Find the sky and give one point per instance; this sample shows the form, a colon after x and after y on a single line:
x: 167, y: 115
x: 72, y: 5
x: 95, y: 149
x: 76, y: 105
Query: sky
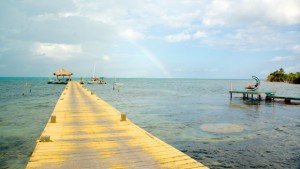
x: 211, y: 39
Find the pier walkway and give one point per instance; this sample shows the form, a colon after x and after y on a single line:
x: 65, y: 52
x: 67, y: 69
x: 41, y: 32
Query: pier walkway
x: 287, y: 99
x: 86, y: 132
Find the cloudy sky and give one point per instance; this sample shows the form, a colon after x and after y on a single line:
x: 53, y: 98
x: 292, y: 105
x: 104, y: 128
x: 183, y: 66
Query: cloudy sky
x: 150, y: 38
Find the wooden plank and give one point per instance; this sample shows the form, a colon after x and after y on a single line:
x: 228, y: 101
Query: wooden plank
x: 89, y: 133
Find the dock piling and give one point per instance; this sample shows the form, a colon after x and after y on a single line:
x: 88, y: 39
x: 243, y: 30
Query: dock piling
x: 287, y: 100
x: 53, y: 119
x: 123, y: 117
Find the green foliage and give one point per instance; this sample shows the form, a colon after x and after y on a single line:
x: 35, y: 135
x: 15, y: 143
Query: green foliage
x: 280, y: 76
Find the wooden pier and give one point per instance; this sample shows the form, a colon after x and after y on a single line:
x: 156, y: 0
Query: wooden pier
x: 86, y: 132
x: 287, y: 99
x: 269, y: 96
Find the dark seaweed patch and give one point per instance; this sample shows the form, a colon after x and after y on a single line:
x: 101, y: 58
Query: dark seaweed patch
x: 13, y: 150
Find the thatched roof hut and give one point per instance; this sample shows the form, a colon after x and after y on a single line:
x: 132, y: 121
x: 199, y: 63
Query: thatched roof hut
x: 59, y: 79
x: 63, y: 72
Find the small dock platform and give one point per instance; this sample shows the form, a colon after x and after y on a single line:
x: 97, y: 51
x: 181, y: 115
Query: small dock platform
x: 86, y: 132
x: 248, y: 93
x: 287, y: 99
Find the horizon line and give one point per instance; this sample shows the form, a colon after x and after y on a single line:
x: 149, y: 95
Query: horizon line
x: 77, y: 77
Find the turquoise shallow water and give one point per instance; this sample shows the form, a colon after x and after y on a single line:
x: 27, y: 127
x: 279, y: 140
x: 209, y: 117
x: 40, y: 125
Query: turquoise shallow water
x: 196, y: 116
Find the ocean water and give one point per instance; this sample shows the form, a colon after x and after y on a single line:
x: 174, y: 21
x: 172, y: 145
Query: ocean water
x: 196, y: 116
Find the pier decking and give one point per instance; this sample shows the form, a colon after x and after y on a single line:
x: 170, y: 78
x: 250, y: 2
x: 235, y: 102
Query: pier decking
x: 246, y: 93
x: 270, y: 96
x: 287, y: 99
x: 86, y: 132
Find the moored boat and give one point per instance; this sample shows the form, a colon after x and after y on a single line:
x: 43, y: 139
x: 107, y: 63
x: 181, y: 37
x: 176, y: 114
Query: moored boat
x: 96, y: 80
x: 81, y: 81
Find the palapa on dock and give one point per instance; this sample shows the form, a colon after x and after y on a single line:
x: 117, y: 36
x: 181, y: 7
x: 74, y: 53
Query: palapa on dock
x: 86, y: 132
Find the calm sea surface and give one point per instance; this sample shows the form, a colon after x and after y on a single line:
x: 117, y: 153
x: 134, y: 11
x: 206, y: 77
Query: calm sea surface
x: 196, y: 116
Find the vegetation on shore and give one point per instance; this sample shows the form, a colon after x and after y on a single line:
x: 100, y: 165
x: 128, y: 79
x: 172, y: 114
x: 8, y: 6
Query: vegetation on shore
x: 281, y: 76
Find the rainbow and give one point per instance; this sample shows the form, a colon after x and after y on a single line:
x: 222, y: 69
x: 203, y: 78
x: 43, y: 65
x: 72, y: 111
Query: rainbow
x: 154, y: 60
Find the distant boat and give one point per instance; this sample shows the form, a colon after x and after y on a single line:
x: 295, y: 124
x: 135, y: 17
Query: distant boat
x: 50, y: 81
x: 81, y: 81
x: 96, y: 80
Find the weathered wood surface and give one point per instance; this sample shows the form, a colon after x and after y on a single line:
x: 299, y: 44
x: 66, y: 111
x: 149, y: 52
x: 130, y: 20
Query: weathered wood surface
x: 89, y: 133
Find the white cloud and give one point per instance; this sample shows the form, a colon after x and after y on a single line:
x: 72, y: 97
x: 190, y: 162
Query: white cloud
x: 282, y: 58
x: 252, y: 12
x: 199, y: 34
x: 296, y: 48
x: 140, y: 17
x: 68, y: 14
x: 53, y: 16
x: 185, y: 36
x: 180, y: 19
x: 100, y: 17
x: 178, y: 37
x: 57, y: 51
x: 284, y: 12
x: 131, y: 34
x: 251, y: 39
x: 106, y: 58
x: 271, y: 26
x: 216, y: 13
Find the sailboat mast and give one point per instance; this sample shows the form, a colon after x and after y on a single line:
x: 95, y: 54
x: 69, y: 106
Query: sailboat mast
x: 94, y: 69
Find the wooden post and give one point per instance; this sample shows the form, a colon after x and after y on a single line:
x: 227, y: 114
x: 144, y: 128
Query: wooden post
x: 286, y: 100
x: 266, y: 97
x: 53, y: 119
x: 123, y: 117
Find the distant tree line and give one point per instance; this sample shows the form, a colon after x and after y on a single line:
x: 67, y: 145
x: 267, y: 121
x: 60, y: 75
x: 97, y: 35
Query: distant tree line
x: 281, y: 76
